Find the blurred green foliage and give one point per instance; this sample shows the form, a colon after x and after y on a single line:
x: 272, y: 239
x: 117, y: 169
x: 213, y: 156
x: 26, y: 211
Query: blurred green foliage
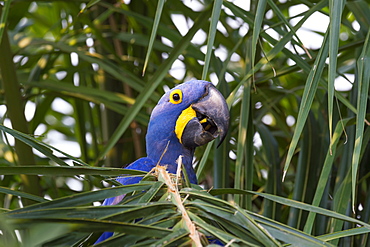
x: 79, y: 79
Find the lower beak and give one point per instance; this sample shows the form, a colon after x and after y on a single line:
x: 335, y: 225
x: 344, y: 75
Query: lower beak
x: 211, y: 120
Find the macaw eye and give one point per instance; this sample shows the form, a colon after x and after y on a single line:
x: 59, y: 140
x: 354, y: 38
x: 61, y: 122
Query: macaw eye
x: 176, y: 96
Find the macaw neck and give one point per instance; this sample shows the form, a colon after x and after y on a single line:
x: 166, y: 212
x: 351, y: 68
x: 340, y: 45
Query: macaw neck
x: 166, y: 151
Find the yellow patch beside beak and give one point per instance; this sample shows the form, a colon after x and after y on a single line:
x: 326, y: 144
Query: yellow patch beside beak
x: 185, y: 116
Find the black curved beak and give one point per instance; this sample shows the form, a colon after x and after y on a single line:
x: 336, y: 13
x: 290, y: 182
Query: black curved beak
x: 211, y: 121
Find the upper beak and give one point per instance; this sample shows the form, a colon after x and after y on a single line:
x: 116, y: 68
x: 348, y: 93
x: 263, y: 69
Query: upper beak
x: 211, y: 121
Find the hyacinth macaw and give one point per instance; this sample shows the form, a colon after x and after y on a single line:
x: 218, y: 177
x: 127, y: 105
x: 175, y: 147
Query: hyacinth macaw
x: 190, y: 115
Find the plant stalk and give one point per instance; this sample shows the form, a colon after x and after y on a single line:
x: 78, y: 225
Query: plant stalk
x: 15, y: 110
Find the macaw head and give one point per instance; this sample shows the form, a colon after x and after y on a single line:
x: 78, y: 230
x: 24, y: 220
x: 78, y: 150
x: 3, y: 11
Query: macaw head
x: 190, y: 115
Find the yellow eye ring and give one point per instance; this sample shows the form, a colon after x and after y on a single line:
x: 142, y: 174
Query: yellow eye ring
x: 176, y: 96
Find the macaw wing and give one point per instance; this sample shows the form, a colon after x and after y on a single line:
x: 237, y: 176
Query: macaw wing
x: 143, y: 164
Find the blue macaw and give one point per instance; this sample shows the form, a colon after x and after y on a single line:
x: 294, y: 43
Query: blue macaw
x: 190, y: 115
